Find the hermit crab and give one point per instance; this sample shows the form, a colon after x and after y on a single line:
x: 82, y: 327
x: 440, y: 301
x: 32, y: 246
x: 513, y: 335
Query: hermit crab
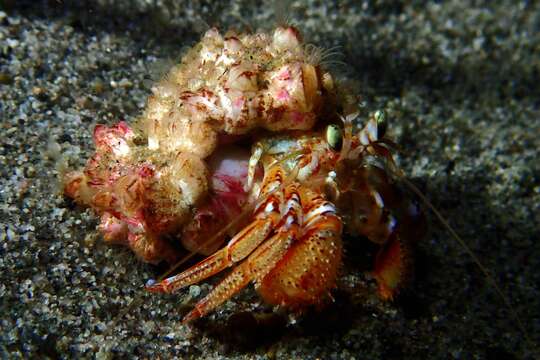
x: 314, y: 185
x: 243, y: 140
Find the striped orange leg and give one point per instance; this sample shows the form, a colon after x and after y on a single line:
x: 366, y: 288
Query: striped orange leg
x: 297, y: 266
x: 267, y: 215
x: 262, y: 260
x: 258, y: 263
x: 237, y: 249
x: 390, y: 219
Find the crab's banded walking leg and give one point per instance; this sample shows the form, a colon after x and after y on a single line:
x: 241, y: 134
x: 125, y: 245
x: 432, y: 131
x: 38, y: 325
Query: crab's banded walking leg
x: 238, y: 248
x: 259, y: 262
x: 378, y: 210
x: 297, y: 266
x: 267, y: 216
x: 262, y: 260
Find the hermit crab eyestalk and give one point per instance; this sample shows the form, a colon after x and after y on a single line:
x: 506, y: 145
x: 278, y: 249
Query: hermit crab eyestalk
x: 334, y: 137
x: 381, y: 119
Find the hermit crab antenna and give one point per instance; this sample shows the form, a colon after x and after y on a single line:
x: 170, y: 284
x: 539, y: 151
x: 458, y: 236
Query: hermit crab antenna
x: 475, y: 258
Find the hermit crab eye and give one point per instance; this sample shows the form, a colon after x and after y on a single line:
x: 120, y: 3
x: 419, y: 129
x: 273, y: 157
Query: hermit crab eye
x: 380, y: 118
x: 334, y: 137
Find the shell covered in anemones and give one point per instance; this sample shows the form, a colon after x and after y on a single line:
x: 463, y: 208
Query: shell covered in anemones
x: 151, y: 180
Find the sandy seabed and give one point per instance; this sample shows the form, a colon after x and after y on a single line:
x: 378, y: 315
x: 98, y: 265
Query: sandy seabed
x: 462, y: 82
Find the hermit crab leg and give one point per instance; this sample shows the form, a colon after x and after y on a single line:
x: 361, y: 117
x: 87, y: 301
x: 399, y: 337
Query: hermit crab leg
x: 237, y: 249
x: 267, y: 216
x: 311, y: 230
x: 262, y: 260
x: 255, y: 266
